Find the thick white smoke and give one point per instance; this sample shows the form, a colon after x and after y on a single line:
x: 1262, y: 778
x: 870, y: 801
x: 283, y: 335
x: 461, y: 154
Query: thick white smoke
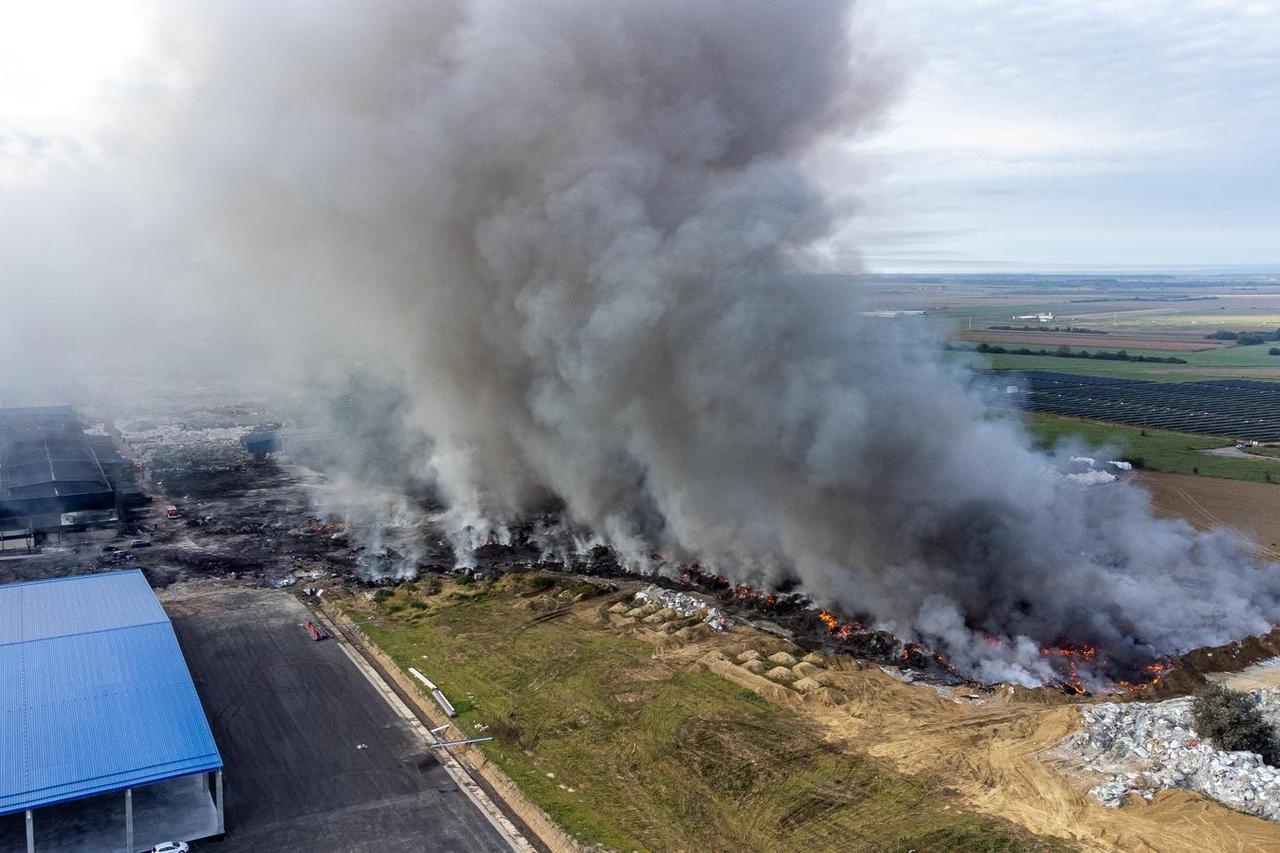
x: 568, y: 229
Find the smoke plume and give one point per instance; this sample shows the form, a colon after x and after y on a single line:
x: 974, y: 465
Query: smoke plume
x: 571, y: 231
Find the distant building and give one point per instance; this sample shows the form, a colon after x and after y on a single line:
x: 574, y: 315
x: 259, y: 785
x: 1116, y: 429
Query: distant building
x: 894, y: 313
x: 1046, y: 317
x: 49, y: 467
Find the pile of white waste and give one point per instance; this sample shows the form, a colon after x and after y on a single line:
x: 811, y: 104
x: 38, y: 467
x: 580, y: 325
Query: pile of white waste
x: 681, y: 602
x: 1144, y: 747
x: 684, y: 604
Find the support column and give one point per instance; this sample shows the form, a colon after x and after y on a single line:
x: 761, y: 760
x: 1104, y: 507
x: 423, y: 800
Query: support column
x: 128, y: 820
x: 31, y: 833
x: 222, y: 817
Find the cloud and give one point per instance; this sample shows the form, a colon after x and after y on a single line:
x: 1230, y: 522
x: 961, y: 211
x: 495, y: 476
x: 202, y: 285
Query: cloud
x: 1065, y: 104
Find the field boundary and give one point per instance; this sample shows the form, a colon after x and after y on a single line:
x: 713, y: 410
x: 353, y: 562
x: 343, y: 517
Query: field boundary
x: 546, y: 834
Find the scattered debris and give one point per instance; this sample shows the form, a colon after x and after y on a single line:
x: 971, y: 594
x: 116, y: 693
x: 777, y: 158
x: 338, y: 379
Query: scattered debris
x: 1145, y: 747
x: 681, y: 603
x: 719, y: 620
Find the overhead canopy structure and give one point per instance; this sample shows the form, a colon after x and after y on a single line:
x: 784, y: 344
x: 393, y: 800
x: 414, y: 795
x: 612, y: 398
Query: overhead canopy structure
x: 95, y: 695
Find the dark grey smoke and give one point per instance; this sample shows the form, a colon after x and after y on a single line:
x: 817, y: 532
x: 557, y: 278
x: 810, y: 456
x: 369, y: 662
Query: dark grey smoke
x: 568, y: 229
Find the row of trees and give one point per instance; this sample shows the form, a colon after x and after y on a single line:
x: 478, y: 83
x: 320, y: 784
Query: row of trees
x: 1074, y: 330
x: 1068, y: 352
x: 1246, y: 339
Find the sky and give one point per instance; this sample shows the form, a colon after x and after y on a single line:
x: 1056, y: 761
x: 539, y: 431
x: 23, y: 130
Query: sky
x: 1059, y: 135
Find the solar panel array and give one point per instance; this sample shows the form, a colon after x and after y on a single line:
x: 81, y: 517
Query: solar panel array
x: 1242, y: 409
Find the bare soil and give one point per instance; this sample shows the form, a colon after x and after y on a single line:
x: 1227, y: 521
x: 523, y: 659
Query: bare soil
x: 994, y: 754
x: 1252, y: 508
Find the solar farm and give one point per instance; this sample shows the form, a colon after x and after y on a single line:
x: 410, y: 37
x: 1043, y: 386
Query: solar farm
x: 1241, y: 409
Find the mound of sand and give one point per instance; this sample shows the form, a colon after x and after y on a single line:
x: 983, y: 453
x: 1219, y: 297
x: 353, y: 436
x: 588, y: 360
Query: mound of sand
x: 807, y: 670
x: 815, y: 659
x: 749, y: 654
x: 780, y: 673
x: 782, y: 659
x: 807, y: 685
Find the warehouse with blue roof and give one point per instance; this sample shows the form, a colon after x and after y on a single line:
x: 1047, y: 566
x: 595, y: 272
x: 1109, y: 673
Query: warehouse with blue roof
x: 104, y: 744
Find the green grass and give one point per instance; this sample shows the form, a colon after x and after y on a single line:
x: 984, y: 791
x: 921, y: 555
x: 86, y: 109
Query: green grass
x: 1209, y: 322
x: 659, y: 758
x: 1174, y: 452
x: 1251, y: 362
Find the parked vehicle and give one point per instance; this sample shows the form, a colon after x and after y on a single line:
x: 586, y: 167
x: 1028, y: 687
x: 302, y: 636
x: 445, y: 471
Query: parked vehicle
x: 171, y: 847
x: 140, y: 543
x: 171, y: 511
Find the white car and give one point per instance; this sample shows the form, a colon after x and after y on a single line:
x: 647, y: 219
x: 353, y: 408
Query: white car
x: 171, y: 847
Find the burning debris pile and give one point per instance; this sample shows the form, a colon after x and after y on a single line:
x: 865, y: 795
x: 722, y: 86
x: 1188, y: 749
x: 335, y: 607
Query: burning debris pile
x: 1145, y: 747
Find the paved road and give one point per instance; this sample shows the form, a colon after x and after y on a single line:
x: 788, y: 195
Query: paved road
x: 315, y: 758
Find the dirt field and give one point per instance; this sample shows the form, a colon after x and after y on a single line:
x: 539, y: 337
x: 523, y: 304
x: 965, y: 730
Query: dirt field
x: 618, y: 730
x: 994, y: 755
x: 993, y: 751
x: 1108, y: 342
x: 1207, y: 501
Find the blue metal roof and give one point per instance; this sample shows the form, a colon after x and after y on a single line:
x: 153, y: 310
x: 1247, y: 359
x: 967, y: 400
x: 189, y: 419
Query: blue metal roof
x: 94, y: 693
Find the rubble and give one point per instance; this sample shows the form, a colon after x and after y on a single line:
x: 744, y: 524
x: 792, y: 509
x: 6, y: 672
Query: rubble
x: 669, y: 604
x: 1142, y: 748
x: 681, y: 603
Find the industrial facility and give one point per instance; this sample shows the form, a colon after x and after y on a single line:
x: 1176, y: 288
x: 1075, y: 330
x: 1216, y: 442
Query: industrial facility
x: 104, y: 744
x: 54, y: 476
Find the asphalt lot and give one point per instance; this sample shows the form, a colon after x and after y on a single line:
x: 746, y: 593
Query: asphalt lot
x: 314, y: 757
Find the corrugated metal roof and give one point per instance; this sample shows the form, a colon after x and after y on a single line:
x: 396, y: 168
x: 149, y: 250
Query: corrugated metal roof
x: 95, y: 695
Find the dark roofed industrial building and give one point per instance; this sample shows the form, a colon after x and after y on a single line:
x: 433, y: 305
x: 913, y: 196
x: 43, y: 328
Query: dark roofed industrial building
x: 50, y: 467
x: 104, y: 744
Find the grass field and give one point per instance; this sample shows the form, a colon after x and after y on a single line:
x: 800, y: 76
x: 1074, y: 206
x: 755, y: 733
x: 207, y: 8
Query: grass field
x: 1210, y: 322
x: 1246, y: 362
x: 632, y: 754
x: 1174, y: 452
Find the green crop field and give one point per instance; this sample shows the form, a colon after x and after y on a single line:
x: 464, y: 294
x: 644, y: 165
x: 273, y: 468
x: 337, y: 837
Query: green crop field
x: 1174, y: 452
x: 632, y: 754
x: 1251, y: 362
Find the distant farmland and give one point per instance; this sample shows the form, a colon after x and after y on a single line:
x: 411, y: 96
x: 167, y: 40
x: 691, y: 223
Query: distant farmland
x: 1108, y: 341
x: 1232, y: 408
